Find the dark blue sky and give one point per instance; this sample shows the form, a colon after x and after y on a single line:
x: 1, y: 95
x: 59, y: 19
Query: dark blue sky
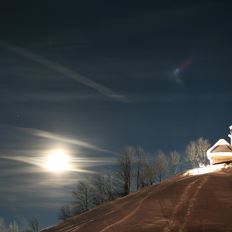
x: 109, y: 74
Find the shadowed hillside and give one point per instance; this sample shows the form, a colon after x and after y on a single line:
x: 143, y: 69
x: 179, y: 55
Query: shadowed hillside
x: 182, y: 203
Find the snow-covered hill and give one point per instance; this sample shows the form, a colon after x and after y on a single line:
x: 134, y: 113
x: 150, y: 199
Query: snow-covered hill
x: 198, y: 200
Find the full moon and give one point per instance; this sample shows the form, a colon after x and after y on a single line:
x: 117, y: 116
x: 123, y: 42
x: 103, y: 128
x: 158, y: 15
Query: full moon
x: 57, y: 161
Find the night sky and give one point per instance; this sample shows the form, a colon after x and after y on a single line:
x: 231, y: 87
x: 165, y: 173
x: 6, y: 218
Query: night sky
x: 94, y: 76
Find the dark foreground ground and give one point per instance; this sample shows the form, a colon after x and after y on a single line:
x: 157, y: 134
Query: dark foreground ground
x: 182, y: 203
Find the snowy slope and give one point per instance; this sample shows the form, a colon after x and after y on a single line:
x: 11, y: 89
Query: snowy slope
x: 188, y: 202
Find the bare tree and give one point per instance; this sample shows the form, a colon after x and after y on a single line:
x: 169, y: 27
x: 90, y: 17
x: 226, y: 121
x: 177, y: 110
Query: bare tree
x: 149, y: 174
x: 196, y: 152
x: 161, y: 165
x: 88, y: 194
x: 125, y: 163
x: 34, y: 224
x: 83, y: 197
x: 140, y: 167
x: 104, y: 189
x: 13, y: 227
x: 174, y: 161
x: 3, y: 227
x: 65, y: 212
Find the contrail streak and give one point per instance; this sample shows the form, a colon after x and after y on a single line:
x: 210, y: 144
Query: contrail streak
x: 49, y: 135
x: 65, y: 71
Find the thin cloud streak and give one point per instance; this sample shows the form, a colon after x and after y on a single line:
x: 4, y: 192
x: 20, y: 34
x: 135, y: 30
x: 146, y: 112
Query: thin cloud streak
x: 53, y: 136
x: 25, y: 159
x: 39, y: 163
x: 65, y: 71
x: 17, y: 171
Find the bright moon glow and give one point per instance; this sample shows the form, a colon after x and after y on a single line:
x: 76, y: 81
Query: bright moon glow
x: 57, y: 161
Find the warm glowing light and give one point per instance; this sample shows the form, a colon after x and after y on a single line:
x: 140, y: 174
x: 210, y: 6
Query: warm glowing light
x: 58, y: 161
x: 206, y: 169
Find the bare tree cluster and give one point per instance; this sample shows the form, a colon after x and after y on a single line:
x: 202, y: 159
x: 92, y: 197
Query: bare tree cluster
x: 135, y: 169
x: 138, y: 169
x: 65, y: 212
x: 88, y: 194
x: 104, y: 188
x: 33, y: 226
x: 82, y: 196
x: 196, y: 152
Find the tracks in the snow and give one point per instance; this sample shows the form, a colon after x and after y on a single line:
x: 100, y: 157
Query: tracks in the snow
x: 186, y: 204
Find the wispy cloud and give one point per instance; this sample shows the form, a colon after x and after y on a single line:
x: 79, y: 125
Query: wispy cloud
x: 39, y: 166
x: 21, y: 161
x: 53, y: 136
x: 65, y: 71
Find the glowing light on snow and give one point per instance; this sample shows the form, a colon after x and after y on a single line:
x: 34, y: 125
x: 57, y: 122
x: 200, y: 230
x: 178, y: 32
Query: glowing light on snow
x: 206, y: 169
